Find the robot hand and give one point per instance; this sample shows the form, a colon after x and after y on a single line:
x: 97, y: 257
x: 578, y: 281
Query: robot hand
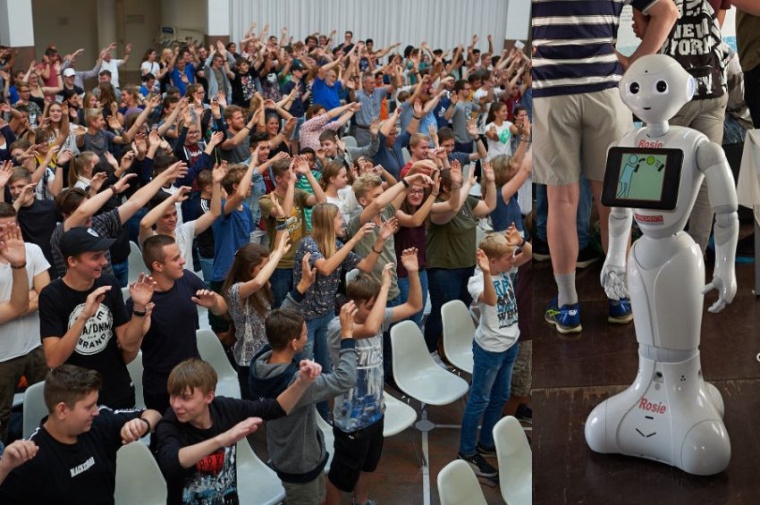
x: 613, y: 282
x: 726, y: 291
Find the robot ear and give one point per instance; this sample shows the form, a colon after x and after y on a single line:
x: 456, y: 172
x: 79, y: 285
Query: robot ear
x: 691, y: 86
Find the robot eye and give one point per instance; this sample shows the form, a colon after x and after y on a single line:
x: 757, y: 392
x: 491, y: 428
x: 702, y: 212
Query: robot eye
x: 634, y: 87
x: 661, y: 86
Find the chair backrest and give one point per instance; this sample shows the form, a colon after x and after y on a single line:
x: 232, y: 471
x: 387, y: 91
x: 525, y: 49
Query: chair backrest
x: 34, y: 408
x: 458, y: 332
x: 211, y: 350
x: 138, y: 477
x: 416, y: 373
x: 135, y: 369
x: 257, y: 483
x: 349, y: 141
x: 515, y: 462
x: 457, y: 485
x: 135, y: 262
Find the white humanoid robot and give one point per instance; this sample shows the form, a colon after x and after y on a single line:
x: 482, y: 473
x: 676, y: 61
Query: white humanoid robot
x: 669, y: 413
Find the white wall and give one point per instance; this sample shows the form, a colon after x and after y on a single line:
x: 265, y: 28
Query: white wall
x: 441, y: 23
x: 188, y: 17
x: 55, y: 22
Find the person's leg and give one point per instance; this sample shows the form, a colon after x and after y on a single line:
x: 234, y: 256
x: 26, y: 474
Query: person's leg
x: 243, y: 373
x: 281, y: 283
x: 121, y: 272
x: 499, y: 395
x: 442, y: 290
x: 709, y: 120
x: 375, y: 441
x: 562, y: 235
x: 486, y: 367
x: 10, y: 373
x: 207, y: 266
x: 387, y: 346
x: 322, y: 355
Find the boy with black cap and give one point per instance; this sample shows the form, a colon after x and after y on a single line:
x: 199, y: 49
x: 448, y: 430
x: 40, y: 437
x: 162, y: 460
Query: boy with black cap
x: 83, y: 320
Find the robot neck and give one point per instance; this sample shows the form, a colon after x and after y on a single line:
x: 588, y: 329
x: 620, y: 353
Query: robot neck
x: 657, y: 129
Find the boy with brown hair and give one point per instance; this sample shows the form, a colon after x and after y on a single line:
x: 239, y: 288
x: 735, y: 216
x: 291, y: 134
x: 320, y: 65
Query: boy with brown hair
x: 495, y: 347
x: 197, y: 437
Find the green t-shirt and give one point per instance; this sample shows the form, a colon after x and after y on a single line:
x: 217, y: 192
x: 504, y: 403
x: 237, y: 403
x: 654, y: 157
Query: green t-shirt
x: 364, y: 247
x: 452, y: 245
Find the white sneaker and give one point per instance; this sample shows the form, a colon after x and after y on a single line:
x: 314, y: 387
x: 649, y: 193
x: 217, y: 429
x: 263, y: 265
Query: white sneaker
x: 438, y: 360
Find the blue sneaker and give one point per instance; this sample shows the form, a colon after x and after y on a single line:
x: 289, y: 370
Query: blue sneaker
x: 619, y: 311
x: 566, y: 319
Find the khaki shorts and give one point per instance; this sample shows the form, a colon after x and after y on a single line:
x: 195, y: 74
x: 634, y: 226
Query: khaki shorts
x: 306, y: 493
x: 571, y: 134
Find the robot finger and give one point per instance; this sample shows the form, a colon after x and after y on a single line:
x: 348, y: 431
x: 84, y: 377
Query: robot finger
x: 708, y: 288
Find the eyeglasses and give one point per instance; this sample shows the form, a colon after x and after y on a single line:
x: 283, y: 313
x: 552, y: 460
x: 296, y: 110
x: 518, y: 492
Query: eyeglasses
x: 416, y: 191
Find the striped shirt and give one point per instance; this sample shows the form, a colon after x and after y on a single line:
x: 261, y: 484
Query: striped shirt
x: 574, y: 44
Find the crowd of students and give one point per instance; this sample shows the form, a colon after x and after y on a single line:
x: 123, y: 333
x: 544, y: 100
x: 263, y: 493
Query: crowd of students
x: 234, y: 161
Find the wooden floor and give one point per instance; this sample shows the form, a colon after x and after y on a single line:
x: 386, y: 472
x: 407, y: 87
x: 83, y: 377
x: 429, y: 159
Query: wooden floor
x: 572, y: 375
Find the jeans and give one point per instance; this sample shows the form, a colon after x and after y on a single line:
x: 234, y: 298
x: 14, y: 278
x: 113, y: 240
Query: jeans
x: 446, y: 284
x: 491, y: 381
x: 121, y: 272
x: 281, y: 282
x: 207, y: 265
x: 582, y: 220
x: 316, y: 348
x: 403, y: 286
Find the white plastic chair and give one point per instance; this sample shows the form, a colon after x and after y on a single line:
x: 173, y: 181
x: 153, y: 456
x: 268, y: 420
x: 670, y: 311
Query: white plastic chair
x: 515, y: 462
x: 34, y: 408
x: 457, y: 485
x: 349, y: 141
x: 135, y: 369
x: 327, y: 434
x: 135, y: 262
x: 416, y: 373
x: 211, y: 350
x: 138, y: 477
x: 458, y: 332
x: 257, y: 483
x: 398, y: 416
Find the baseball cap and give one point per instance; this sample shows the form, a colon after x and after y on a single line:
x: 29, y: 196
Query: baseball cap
x: 69, y: 72
x: 80, y: 239
x: 297, y: 65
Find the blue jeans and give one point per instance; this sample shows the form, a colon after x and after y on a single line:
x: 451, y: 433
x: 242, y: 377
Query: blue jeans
x: 316, y: 348
x: 445, y: 284
x: 207, y: 265
x: 582, y: 220
x: 121, y: 272
x: 281, y: 282
x: 403, y: 285
x: 491, y: 381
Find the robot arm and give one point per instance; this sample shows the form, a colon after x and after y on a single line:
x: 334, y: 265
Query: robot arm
x: 712, y: 162
x: 613, y: 271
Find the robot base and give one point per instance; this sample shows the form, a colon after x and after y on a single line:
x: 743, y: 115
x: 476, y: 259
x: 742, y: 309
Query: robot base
x: 666, y: 415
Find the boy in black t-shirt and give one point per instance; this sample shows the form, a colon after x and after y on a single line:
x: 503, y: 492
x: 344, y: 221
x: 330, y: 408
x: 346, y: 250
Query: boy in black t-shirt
x: 83, y: 321
x: 197, y: 437
x: 71, y: 457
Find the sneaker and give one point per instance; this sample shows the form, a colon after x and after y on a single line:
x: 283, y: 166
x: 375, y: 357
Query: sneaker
x: 486, y: 451
x: 540, y: 249
x: 524, y: 413
x: 480, y: 466
x: 619, y: 311
x: 586, y: 257
x: 566, y: 319
x: 438, y: 360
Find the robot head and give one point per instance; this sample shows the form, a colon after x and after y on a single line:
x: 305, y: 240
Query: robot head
x: 655, y: 87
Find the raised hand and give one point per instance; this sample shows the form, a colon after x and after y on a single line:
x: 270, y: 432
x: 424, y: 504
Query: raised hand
x: 183, y: 193
x: 239, y: 431
x: 219, y: 171
x: 12, y: 245
x: 96, y: 183
x: 133, y: 431
x: 141, y: 290
x: 482, y: 260
x: 6, y: 171
x: 309, y: 274
x: 204, y: 298
x: 513, y: 235
x: 364, y: 231
x: 409, y: 260
x: 16, y: 454
x: 94, y: 300
x: 122, y: 184
x: 308, y: 371
x: 283, y: 243
x: 347, y: 313
x: 389, y: 228
x: 388, y: 273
